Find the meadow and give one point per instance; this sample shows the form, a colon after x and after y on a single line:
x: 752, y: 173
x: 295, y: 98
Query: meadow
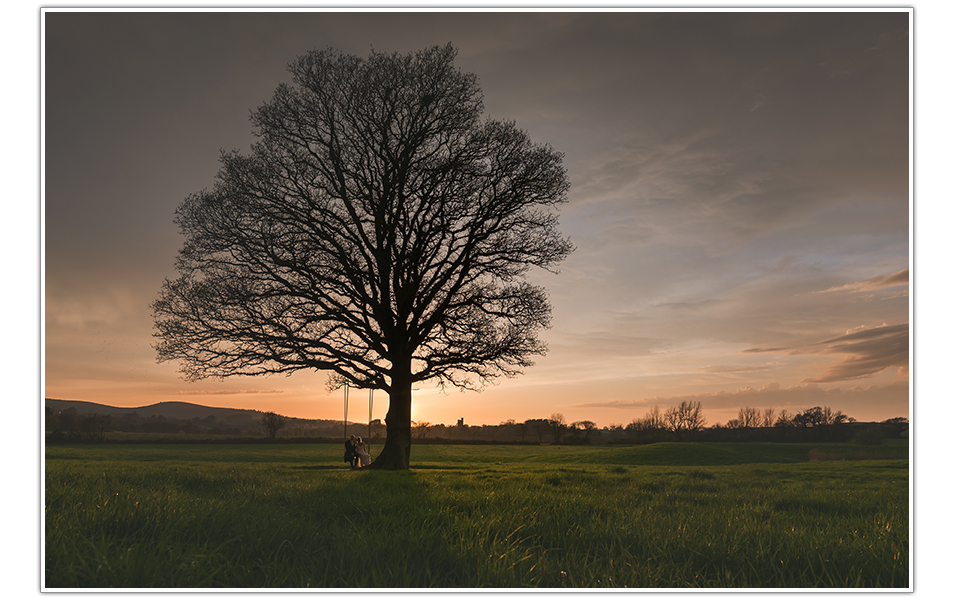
x: 690, y: 515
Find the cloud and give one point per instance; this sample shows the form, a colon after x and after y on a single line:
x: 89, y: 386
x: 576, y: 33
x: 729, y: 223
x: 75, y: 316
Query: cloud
x: 789, y: 265
x: 757, y: 350
x: 606, y: 344
x: 858, y: 334
x: 756, y: 104
x: 871, y: 351
x: 729, y: 369
x: 877, y: 282
x: 697, y: 305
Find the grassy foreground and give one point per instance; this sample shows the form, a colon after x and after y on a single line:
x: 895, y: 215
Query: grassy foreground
x: 666, y: 515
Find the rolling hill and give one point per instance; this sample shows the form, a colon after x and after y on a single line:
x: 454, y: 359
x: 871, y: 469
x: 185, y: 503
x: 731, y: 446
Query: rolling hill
x: 178, y: 410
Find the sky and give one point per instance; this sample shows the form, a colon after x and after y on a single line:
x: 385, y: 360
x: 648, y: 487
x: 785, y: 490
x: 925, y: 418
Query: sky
x: 740, y: 201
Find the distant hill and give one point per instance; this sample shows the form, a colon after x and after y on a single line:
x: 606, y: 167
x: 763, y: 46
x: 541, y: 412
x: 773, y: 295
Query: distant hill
x: 174, y: 410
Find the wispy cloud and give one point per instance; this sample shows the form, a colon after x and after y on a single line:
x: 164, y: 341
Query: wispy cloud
x: 869, y: 285
x: 870, y: 352
x: 607, y: 344
x: 758, y: 350
x: 697, y: 305
x: 789, y: 265
x: 743, y: 369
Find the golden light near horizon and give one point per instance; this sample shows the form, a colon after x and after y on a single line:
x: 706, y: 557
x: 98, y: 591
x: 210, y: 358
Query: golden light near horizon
x: 741, y: 240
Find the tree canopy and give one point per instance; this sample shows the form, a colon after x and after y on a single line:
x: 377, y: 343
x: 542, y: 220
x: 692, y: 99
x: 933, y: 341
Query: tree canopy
x: 380, y: 230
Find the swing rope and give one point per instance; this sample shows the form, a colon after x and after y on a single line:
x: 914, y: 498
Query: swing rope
x: 370, y: 411
x: 346, y: 411
x: 370, y: 414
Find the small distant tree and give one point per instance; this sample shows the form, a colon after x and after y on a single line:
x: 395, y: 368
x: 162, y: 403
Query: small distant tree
x: 69, y: 422
x: 378, y: 429
x: 558, y: 426
x: 749, y: 417
x: 894, y: 427
x: 522, y: 430
x: 505, y: 430
x: 812, y: 417
x: 94, y: 427
x: 634, y: 428
x: 768, y: 417
x: 819, y: 422
x: 584, y: 429
x: 869, y: 437
x: 539, y: 427
x: 649, y: 429
x: 272, y: 423
x: 784, y: 419
x: 52, y: 422
x: 421, y: 428
x: 685, y: 420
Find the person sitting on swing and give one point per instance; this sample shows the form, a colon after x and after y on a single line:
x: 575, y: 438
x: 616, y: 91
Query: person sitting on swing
x: 351, y: 455
x: 363, y: 457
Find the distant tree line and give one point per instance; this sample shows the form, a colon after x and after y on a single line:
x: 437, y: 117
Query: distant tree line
x: 71, y: 426
x: 816, y: 424
x: 684, y: 422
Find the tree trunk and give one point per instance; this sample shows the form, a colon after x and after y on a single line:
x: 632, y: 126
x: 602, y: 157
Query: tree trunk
x: 396, y: 454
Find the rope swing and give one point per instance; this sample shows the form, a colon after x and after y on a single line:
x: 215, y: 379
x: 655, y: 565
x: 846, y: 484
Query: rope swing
x: 346, y: 411
x: 370, y: 413
x: 370, y: 405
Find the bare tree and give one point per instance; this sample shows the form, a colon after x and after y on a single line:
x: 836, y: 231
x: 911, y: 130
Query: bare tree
x: 749, y: 417
x: 654, y: 418
x: 685, y: 420
x: 94, y: 427
x: 648, y: 428
x: 635, y: 427
x: 421, y: 428
x: 272, y: 423
x: 784, y: 419
x: 380, y: 230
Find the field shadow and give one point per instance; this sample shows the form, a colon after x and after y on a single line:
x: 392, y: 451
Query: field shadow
x: 439, y: 468
x: 343, y: 469
x: 318, y: 468
x: 411, y: 520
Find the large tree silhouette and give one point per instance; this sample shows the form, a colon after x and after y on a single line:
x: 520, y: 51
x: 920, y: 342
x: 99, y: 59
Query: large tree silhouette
x: 380, y: 229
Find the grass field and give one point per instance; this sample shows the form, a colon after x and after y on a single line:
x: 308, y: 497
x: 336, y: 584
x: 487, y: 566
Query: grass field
x: 664, y: 515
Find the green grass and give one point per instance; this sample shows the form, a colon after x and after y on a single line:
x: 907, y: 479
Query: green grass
x: 666, y: 515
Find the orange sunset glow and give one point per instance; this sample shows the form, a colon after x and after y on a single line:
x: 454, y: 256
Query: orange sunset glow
x: 740, y: 203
